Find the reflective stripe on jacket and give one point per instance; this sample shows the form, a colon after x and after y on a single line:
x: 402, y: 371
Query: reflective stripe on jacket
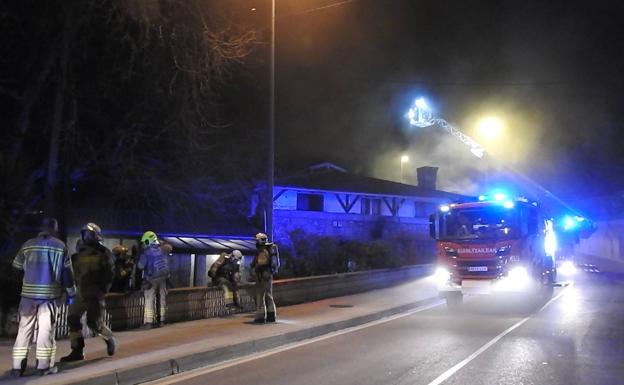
x: 47, y: 268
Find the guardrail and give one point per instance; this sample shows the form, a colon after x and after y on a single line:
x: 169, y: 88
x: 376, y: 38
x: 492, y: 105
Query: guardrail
x: 125, y: 311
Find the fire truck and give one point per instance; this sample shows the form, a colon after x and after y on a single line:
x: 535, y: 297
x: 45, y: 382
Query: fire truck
x: 493, y: 245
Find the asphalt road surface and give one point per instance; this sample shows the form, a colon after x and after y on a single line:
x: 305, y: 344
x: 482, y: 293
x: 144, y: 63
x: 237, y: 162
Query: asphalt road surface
x: 577, y: 337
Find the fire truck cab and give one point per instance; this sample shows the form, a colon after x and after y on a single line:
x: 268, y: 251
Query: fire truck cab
x: 493, y: 245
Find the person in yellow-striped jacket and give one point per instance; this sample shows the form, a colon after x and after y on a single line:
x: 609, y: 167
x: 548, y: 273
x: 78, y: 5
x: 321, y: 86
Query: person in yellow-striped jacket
x: 47, y: 270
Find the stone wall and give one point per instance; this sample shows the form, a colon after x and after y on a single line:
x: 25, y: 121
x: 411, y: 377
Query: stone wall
x: 606, y: 242
x: 125, y: 311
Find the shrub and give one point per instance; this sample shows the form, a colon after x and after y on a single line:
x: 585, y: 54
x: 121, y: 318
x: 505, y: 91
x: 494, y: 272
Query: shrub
x: 318, y: 255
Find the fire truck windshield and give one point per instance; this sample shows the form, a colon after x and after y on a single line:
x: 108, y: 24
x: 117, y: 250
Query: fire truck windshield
x: 479, y: 223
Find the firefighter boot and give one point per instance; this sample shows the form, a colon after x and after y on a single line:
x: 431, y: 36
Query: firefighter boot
x: 111, y: 346
x: 50, y: 370
x: 19, y: 372
x: 77, y: 351
x: 270, y: 316
x: 76, y: 354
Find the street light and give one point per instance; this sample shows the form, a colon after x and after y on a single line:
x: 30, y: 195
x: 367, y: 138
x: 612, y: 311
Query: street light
x: 271, y: 160
x: 490, y: 128
x: 404, y: 159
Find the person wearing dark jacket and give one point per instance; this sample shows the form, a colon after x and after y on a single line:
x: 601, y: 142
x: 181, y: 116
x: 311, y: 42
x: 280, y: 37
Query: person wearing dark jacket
x: 47, y: 271
x: 265, y: 264
x: 94, y: 272
x: 225, y: 274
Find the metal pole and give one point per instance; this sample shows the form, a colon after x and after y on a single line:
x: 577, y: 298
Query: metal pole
x: 271, y: 165
x: 401, y: 170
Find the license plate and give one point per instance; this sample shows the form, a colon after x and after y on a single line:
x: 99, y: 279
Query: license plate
x: 477, y: 268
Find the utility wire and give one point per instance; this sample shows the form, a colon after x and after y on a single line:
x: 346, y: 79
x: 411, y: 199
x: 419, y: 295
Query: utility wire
x: 322, y: 7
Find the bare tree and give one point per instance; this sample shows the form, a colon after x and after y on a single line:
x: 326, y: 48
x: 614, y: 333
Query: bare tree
x: 118, y: 104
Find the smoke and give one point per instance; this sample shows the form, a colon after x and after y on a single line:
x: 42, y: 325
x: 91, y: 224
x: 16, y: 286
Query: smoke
x: 459, y: 170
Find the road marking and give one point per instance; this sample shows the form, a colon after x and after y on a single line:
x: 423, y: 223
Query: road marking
x: 445, y: 376
x: 255, y: 356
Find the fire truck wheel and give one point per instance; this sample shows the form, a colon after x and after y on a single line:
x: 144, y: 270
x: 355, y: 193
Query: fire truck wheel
x: 454, y: 300
x: 547, y: 289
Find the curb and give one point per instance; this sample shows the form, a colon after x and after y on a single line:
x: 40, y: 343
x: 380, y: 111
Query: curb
x: 158, y: 370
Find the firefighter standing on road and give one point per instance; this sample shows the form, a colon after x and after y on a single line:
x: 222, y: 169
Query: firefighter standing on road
x: 47, y: 269
x: 155, y: 266
x: 264, y: 265
x: 94, y: 271
x: 225, y: 274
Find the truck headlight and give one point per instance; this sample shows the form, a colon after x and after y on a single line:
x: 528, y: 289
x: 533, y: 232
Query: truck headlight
x: 441, y: 276
x: 567, y: 268
x: 518, y: 276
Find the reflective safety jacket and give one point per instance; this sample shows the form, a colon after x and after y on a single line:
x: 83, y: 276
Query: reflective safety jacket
x: 154, y: 262
x: 47, y: 268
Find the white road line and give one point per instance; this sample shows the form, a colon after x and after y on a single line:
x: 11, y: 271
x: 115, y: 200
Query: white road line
x: 445, y: 376
x: 237, y: 361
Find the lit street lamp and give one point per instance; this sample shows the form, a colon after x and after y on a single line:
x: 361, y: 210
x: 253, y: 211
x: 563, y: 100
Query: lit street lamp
x: 271, y: 158
x: 404, y: 159
x: 490, y: 128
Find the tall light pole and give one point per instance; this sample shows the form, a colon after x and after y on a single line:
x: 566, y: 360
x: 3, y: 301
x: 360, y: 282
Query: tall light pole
x: 404, y: 159
x: 271, y: 165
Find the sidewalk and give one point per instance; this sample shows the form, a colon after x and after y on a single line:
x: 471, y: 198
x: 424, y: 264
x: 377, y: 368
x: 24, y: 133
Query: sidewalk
x: 150, y: 354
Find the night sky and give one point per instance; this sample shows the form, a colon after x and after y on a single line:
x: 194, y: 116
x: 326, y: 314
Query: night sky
x: 347, y: 74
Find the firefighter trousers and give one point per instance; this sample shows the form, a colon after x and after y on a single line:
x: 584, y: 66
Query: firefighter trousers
x: 230, y: 290
x: 40, y: 314
x: 264, y: 295
x: 95, y: 308
x: 155, y: 298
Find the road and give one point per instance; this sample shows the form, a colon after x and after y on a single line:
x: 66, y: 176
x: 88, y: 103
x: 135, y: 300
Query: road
x: 576, y: 338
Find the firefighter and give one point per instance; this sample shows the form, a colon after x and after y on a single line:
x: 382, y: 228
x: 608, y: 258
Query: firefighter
x: 94, y: 272
x: 124, y: 270
x: 264, y: 265
x: 47, y: 270
x: 225, y: 274
x: 155, y: 266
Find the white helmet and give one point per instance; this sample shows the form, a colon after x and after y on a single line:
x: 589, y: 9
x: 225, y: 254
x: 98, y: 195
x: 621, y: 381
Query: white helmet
x: 261, y: 238
x: 237, y: 254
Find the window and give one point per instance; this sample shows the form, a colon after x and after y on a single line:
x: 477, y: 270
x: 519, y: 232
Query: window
x: 371, y: 206
x: 309, y: 202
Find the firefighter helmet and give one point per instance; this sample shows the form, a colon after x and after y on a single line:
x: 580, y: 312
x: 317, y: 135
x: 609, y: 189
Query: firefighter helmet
x: 120, y: 249
x: 261, y: 238
x: 91, y: 232
x: 149, y: 238
x: 237, y: 254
